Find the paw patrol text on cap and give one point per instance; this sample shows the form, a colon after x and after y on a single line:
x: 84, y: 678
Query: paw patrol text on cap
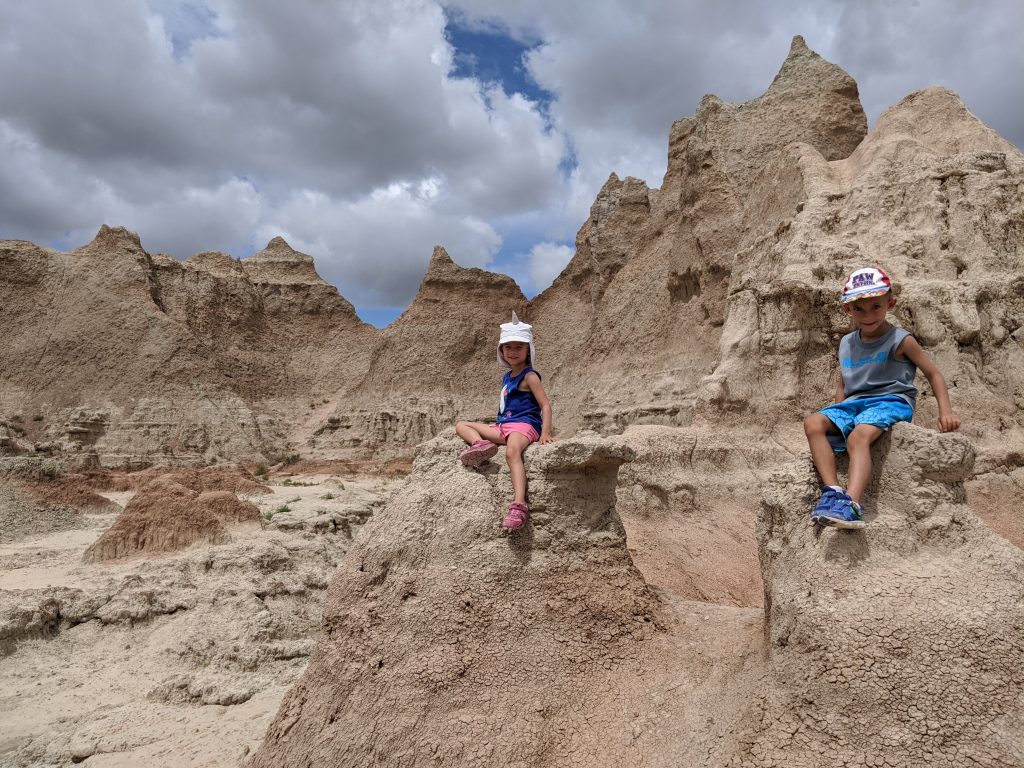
x: 865, y: 283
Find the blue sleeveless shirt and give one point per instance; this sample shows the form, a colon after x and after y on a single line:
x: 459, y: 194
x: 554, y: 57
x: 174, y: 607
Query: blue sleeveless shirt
x: 518, y: 406
x: 871, y: 368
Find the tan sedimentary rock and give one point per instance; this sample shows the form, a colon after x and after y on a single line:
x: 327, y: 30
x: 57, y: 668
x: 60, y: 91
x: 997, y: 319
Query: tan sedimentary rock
x: 710, y: 297
x: 139, y: 359
x: 662, y: 260
x: 38, y: 497
x: 624, y: 625
x: 901, y: 643
x: 711, y: 304
x: 481, y: 640
x: 165, y: 516
x: 202, y: 479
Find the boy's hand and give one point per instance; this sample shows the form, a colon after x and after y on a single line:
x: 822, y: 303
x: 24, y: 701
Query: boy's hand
x: 545, y: 439
x: 948, y: 422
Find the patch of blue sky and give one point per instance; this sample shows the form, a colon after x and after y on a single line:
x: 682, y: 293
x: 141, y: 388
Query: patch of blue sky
x: 490, y: 55
x: 185, y: 21
x: 379, y: 317
x: 568, y: 163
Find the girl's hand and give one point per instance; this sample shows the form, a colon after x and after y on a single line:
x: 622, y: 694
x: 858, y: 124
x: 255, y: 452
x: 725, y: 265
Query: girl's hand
x: 948, y: 422
x: 545, y: 439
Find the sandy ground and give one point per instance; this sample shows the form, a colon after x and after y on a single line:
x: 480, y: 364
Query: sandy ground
x: 187, y: 656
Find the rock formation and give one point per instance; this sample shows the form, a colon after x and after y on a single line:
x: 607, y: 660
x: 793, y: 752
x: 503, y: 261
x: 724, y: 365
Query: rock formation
x: 502, y: 650
x: 174, y: 659
x: 429, y: 366
x: 165, y: 516
x: 714, y: 292
x: 38, y: 497
x: 643, y: 617
x: 146, y: 359
x: 738, y: 258
x: 900, y: 645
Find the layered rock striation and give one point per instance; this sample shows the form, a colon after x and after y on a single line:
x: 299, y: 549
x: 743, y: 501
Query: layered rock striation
x: 144, y: 359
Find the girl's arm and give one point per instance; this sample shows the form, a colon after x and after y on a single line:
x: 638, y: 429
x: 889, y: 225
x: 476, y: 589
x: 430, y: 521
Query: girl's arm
x: 532, y: 382
x: 910, y: 349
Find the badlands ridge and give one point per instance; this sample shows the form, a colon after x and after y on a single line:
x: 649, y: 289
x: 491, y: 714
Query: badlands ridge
x: 667, y: 605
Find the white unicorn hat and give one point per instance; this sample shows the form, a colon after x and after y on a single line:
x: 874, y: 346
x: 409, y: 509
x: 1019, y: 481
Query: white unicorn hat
x: 516, y: 331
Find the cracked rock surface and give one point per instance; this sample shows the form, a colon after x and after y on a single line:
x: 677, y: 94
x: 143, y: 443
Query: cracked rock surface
x: 899, y: 645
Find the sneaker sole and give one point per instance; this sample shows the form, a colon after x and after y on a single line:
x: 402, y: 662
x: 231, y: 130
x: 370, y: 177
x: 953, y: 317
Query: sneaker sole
x: 477, y: 458
x: 831, y: 522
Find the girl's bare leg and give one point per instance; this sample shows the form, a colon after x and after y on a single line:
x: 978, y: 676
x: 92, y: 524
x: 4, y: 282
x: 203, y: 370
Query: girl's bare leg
x: 858, y: 444
x: 816, y: 426
x: 471, y: 431
x: 517, y: 444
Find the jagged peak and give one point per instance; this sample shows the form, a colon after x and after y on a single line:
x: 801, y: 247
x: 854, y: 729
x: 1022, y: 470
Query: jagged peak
x: 114, y: 238
x: 444, y: 273
x: 804, y: 70
x: 615, y: 187
x: 440, y: 259
x: 278, y: 249
x: 280, y: 263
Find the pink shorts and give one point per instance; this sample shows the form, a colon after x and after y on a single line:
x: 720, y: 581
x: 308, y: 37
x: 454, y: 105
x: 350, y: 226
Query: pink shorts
x: 521, y: 427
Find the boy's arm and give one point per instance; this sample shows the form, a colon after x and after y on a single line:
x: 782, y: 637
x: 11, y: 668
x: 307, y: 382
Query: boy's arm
x: 532, y: 382
x: 909, y: 348
x: 840, y: 389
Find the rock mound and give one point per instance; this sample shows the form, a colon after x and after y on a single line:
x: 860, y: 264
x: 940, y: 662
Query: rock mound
x: 165, y: 516
x: 280, y: 263
x: 502, y: 650
x: 899, y: 644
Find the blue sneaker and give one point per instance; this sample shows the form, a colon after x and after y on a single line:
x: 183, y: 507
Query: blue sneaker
x: 829, y: 497
x: 845, y: 513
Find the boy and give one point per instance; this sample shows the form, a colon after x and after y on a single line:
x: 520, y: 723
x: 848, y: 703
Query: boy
x: 876, y: 390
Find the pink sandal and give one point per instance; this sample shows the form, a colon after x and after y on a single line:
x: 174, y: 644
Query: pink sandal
x: 478, y: 453
x: 517, y: 515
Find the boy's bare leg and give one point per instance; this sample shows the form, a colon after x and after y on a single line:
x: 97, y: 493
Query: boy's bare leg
x: 517, y: 444
x: 471, y: 431
x: 816, y: 427
x: 858, y: 445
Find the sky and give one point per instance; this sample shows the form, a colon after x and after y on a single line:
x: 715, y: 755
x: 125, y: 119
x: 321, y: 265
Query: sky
x: 366, y: 132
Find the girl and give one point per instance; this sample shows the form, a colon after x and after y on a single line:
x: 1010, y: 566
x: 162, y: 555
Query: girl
x: 524, y: 416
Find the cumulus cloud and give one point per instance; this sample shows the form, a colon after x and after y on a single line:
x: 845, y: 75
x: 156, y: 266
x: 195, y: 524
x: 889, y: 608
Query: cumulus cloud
x: 211, y: 125
x: 621, y: 73
x: 546, y: 261
x: 350, y: 129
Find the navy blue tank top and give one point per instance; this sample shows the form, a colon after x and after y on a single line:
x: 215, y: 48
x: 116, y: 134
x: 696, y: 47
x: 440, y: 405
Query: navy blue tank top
x: 518, y: 406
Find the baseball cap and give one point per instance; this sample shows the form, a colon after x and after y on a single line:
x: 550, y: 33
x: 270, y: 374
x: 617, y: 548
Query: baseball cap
x: 865, y: 283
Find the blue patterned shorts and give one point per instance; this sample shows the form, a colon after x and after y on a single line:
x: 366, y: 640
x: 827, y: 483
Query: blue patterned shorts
x: 882, y: 412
